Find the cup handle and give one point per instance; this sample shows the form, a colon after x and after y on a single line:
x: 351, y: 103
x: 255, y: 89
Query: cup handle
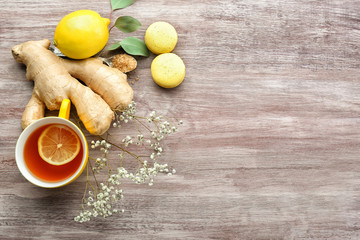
x: 65, y: 109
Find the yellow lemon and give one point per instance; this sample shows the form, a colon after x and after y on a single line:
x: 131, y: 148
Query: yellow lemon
x: 168, y: 70
x: 161, y: 37
x: 81, y: 34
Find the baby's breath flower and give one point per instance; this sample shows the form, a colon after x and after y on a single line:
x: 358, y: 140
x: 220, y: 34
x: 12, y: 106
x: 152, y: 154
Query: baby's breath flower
x: 83, y: 216
x: 102, y: 199
x: 140, y: 137
x: 153, y: 134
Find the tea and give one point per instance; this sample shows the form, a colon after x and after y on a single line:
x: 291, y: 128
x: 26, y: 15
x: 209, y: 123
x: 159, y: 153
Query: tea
x: 43, y: 170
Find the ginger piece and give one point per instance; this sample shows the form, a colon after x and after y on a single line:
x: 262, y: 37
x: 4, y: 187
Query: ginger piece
x: 35, y: 109
x: 53, y: 82
x: 125, y: 63
x: 109, y: 83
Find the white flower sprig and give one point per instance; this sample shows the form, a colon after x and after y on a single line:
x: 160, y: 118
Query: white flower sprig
x: 102, y: 198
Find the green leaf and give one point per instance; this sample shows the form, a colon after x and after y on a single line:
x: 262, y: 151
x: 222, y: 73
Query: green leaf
x: 127, y: 24
x: 134, y: 46
x: 115, y: 46
x: 118, y: 4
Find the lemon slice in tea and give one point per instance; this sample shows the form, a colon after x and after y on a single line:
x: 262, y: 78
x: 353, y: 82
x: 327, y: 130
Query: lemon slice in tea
x: 58, y: 145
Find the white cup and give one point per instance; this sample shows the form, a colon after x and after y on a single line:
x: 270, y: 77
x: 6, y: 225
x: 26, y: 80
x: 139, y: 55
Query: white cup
x: 20, y: 145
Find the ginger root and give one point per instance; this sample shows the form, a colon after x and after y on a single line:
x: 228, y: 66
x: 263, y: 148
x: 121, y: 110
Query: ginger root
x: 55, y: 79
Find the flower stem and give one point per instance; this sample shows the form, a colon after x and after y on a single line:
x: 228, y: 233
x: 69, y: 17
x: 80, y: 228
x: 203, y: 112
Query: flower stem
x: 143, y: 124
x: 123, y: 149
x: 97, y: 184
x: 86, y: 186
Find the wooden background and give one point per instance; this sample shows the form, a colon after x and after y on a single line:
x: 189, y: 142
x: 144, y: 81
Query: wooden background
x: 269, y: 148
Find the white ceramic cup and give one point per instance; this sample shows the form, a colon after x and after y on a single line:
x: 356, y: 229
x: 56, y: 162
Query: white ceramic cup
x: 20, y: 145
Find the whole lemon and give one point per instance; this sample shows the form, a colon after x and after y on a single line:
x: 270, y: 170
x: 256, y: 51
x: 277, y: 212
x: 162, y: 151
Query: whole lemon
x: 168, y: 70
x: 81, y: 34
x: 161, y: 37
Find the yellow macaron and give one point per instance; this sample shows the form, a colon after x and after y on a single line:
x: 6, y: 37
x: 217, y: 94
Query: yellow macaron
x: 168, y: 70
x: 161, y: 37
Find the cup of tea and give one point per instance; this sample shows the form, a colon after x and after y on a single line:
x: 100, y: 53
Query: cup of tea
x: 40, y: 172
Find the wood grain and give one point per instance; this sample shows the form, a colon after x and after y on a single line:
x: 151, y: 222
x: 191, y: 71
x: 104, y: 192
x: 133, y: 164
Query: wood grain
x: 270, y: 144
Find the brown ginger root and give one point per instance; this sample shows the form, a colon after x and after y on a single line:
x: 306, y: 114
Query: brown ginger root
x: 109, y: 83
x: 54, y: 81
